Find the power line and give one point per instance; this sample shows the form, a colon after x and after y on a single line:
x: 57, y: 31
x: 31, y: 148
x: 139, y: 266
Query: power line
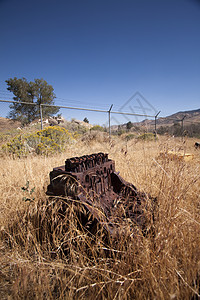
x: 79, y: 102
x: 79, y: 108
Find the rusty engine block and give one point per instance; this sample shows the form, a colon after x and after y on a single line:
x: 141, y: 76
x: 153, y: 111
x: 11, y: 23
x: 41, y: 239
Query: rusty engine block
x: 93, y: 182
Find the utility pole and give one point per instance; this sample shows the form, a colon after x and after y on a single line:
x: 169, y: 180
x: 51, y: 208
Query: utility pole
x: 109, y: 122
x: 156, y: 124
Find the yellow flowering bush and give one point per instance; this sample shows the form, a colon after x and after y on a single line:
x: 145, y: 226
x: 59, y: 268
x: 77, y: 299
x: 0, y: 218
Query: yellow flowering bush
x: 47, y: 141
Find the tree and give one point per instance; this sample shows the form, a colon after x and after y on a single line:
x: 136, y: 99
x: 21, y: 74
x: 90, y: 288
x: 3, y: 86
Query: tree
x: 129, y: 125
x: 86, y: 120
x: 37, y: 92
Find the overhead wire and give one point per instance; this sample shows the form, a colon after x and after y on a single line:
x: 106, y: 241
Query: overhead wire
x: 103, y: 106
x: 79, y: 102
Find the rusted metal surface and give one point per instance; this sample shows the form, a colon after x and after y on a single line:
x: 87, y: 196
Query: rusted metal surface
x: 93, y: 182
x: 197, y: 145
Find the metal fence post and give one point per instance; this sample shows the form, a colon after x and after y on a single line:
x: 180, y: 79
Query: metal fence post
x: 156, y: 124
x: 182, y: 132
x: 109, y: 122
x: 41, y: 116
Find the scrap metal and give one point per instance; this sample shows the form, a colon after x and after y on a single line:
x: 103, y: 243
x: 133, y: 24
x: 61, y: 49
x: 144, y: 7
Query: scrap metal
x: 93, y: 182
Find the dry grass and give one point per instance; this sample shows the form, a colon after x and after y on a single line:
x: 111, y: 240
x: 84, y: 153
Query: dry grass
x: 164, y: 266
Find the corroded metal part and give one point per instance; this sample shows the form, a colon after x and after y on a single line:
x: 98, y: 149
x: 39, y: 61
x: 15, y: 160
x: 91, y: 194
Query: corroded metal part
x: 93, y: 181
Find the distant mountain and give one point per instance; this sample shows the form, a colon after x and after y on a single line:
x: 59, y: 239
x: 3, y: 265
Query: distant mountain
x: 190, y: 117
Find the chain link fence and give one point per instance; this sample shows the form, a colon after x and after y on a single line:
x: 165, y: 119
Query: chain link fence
x: 112, y: 121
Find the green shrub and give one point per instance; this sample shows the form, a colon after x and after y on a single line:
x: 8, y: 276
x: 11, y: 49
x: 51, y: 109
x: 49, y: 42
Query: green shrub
x: 97, y: 128
x: 146, y: 136
x: 74, y: 127
x: 129, y: 137
x: 95, y: 136
x: 47, y: 141
x: 120, y: 132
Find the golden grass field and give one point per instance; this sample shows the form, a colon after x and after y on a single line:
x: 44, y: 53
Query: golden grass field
x: 165, y: 265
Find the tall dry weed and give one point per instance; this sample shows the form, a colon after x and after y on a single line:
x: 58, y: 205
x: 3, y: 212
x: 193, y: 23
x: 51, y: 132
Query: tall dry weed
x: 46, y: 254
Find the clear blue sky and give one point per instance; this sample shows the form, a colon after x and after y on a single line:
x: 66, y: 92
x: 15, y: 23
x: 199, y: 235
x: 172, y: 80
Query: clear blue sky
x: 98, y: 53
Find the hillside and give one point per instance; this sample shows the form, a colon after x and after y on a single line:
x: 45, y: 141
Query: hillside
x: 191, y: 117
x: 8, y: 124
